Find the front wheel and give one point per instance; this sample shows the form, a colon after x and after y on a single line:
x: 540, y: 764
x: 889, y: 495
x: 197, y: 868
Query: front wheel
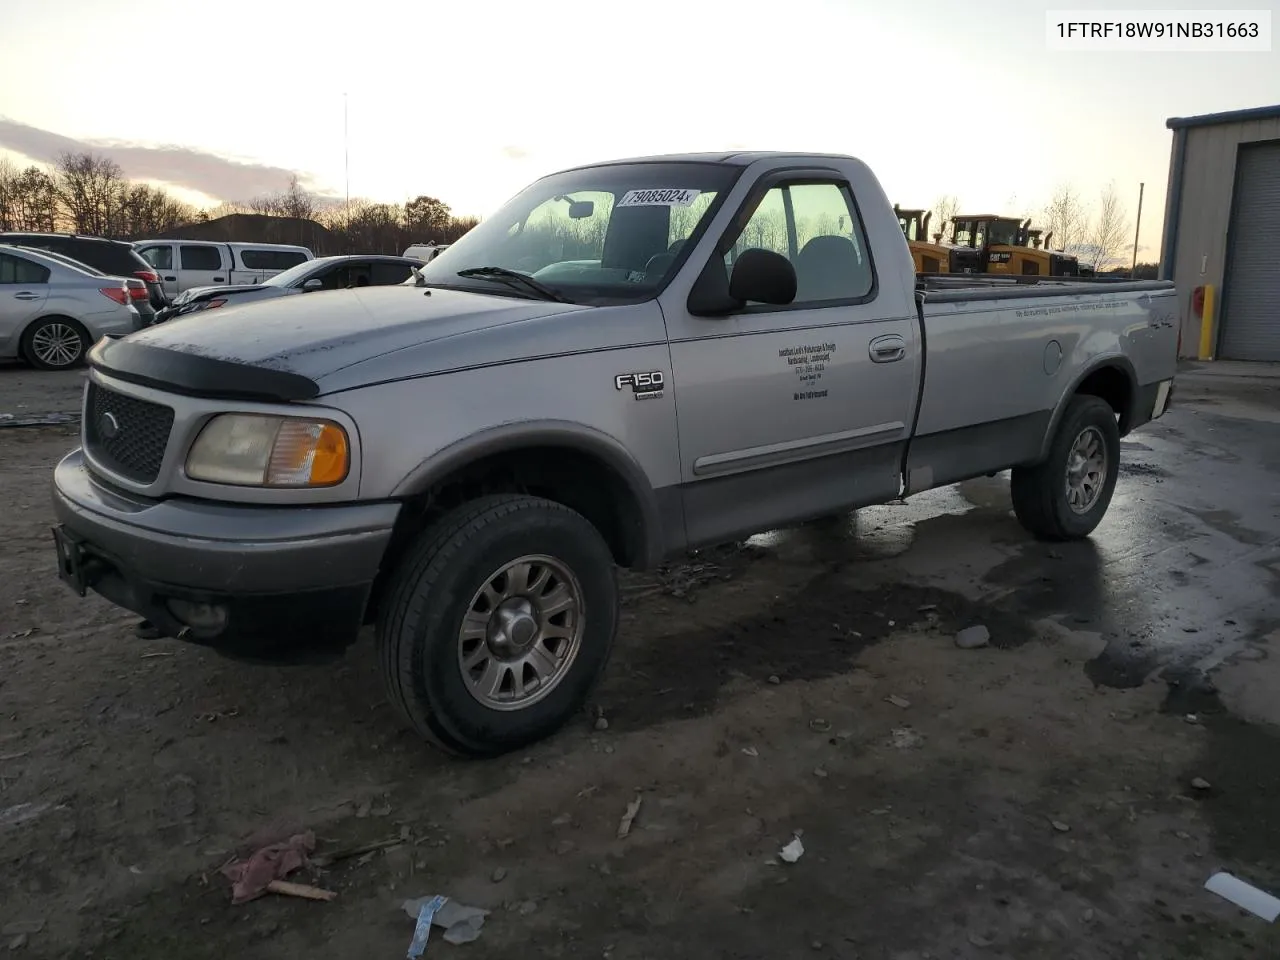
x: 55, y: 343
x: 500, y: 621
x: 1065, y: 496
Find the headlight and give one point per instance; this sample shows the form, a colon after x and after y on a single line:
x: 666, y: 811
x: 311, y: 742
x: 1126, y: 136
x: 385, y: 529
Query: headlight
x: 253, y: 450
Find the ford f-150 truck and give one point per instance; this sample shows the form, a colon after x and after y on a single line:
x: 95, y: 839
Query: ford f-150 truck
x: 627, y: 360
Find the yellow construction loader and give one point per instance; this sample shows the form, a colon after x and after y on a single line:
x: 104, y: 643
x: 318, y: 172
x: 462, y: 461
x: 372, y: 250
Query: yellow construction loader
x: 934, y: 256
x: 1006, y: 245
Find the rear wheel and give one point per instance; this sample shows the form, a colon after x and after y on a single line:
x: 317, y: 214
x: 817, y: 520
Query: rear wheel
x: 500, y: 621
x: 1066, y: 496
x: 55, y: 343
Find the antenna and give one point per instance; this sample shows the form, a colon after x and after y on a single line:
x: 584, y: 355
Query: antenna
x: 1133, y: 270
x: 346, y: 160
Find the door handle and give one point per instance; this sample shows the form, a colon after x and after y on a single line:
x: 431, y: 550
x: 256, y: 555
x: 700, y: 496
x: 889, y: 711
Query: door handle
x: 217, y: 279
x: 888, y: 348
x: 25, y: 295
x: 171, y: 279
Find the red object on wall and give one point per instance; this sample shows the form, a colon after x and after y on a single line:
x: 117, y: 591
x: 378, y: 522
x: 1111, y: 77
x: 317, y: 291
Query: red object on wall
x: 1197, y: 302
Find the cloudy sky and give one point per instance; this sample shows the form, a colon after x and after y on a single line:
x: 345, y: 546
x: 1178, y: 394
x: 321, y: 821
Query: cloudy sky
x: 470, y: 102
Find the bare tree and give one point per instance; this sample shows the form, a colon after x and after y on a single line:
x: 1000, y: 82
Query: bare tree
x: 297, y: 203
x: 428, y: 218
x: 89, y: 188
x: 268, y: 205
x: 28, y: 199
x: 8, y: 194
x: 373, y: 228
x: 1111, y: 230
x: 90, y: 194
x: 144, y: 211
x: 1067, y: 219
x: 945, y: 209
x: 226, y: 209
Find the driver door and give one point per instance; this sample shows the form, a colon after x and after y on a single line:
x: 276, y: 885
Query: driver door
x: 797, y: 411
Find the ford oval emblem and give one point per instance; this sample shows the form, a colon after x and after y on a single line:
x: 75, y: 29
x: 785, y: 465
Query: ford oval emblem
x: 108, y: 426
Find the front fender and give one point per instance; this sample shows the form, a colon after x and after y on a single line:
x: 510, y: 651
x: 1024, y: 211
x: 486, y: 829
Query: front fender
x: 547, y: 433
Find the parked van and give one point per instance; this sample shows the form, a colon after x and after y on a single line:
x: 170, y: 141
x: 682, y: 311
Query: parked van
x: 426, y: 252
x: 183, y: 264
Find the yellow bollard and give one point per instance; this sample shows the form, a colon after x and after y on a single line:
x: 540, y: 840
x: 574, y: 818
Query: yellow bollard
x: 1206, y: 325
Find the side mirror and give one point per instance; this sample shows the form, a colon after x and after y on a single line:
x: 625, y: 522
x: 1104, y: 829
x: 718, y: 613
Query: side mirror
x: 761, y: 276
x: 315, y: 283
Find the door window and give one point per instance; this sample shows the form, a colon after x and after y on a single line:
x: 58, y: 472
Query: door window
x: 386, y: 274
x: 358, y: 274
x: 18, y: 270
x: 815, y: 225
x: 271, y: 259
x: 200, y: 258
x: 159, y: 257
x: 335, y: 278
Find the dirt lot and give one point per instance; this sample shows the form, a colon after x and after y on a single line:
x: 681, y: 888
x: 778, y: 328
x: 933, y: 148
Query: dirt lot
x: 1031, y: 799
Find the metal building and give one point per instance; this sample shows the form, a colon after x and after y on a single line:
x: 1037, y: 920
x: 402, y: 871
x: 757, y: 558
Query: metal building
x: 1222, y: 232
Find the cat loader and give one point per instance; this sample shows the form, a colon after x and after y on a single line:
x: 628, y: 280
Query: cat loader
x: 1009, y: 246
x: 934, y: 256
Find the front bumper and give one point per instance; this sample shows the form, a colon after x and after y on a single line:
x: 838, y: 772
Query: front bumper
x: 246, y: 579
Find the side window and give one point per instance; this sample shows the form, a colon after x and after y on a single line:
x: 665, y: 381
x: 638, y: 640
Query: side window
x: 271, y: 259
x: 358, y: 274
x: 335, y: 278
x: 386, y: 274
x: 815, y: 226
x: 159, y: 257
x: 54, y: 245
x: 200, y: 258
x: 115, y: 258
x: 19, y: 270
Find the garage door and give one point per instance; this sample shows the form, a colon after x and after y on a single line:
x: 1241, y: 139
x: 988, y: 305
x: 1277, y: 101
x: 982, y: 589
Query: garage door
x: 1251, y: 288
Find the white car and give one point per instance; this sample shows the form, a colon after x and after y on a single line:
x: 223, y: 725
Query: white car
x: 52, y: 312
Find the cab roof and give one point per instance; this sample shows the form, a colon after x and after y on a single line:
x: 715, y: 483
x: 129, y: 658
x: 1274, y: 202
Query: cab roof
x: 728, y: 159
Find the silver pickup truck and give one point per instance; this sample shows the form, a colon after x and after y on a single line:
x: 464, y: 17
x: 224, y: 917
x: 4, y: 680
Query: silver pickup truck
x: 627, y: 360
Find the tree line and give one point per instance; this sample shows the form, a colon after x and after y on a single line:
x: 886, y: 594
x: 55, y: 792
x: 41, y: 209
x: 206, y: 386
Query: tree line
x: 1100, y: 235
x: 89, y: 194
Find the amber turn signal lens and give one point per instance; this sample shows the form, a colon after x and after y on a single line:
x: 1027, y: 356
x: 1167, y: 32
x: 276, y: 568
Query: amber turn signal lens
x: 308, y: 455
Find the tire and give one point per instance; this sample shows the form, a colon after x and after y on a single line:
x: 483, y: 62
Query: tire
x: 1040, y: 493
x: 48, y: 343
x: 441, y: 578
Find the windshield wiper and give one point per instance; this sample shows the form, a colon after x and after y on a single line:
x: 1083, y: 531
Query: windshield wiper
x: 513, y: 278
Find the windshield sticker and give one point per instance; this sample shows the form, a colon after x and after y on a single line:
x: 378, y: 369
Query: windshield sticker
x: 659, y: 198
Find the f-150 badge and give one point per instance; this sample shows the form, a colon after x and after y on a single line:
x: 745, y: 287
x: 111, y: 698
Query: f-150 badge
x: 645, y: 386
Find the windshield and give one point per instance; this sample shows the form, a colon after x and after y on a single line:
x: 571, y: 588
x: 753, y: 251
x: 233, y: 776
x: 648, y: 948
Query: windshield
x: 970, y: 233
x: 1005, y: 232
x: 604, y: 234
x: 287, y: 278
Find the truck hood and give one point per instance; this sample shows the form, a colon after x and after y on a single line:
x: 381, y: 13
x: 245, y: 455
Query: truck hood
x: 317, y: 336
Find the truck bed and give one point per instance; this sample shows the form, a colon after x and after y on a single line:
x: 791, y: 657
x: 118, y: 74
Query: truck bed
x: 999, y: 355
